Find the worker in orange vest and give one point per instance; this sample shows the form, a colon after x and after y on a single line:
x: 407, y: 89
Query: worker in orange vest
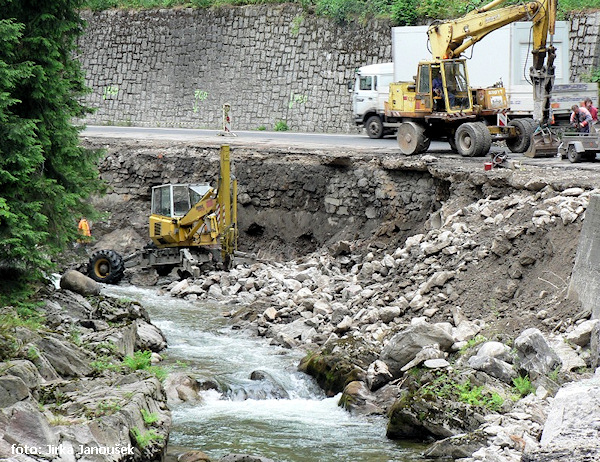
x: 84, y: 231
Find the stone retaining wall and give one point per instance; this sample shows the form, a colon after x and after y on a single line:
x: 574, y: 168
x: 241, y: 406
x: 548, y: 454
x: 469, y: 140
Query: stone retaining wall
x: 273, y: 64
x: 177, y: 68
x: 288, y: 202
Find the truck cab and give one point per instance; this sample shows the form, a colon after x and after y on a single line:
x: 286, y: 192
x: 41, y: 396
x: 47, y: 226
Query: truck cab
x: 370, y: 91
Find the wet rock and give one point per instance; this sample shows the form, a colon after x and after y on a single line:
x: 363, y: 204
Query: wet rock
x: 243, y: 458
x: 149, y: 337
x: 534, y: 356
x: 357, y: 399
x: 193, y: 456
x: 404, y: 346
x: 378, y: 375
x: 181, y: 387
x: 79, y: 283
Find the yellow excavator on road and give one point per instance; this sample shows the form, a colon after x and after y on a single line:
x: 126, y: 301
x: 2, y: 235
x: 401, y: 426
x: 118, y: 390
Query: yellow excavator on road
x: 192, y: 227
x: 440, y: 104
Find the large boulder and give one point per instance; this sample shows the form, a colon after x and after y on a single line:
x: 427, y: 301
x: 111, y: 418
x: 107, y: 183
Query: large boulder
x: 79, y: 283
x: 66, y: 358
x: 571, y: 432
x: 149, y: 337
x: 534, y: 355
x: 12, y: 390
x: 406, y: 344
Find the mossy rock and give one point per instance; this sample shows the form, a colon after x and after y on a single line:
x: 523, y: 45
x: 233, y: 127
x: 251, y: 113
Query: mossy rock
x: 331, y: 371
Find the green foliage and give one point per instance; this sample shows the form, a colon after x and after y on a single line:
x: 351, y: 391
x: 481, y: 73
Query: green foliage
x: 404, y: 12
x: 281, y: 126
x: 446, y: 387
x: 141, y: 360
x: 149, y: 417
x: 45, y: 176
x: 143, y: 438
x: 261, y: 128
x: 477, y: 340
x: 523, y: 386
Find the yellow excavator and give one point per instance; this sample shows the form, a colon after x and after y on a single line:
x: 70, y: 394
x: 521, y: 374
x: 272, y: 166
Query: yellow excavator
x: 441, y: 105
x: 193, y: 227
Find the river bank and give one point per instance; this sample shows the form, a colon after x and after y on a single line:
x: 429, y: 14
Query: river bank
x: 430, y: 333
x: 76, y: 379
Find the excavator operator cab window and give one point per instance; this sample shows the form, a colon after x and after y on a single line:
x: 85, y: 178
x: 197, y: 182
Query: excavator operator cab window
x: 457, y: 85
x: 176, y: 200
x: 161, y: 200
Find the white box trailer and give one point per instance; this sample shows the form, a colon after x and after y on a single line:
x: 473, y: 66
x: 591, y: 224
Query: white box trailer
x: 504, y: 55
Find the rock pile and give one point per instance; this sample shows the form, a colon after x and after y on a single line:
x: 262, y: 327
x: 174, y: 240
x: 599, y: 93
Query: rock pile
x: 372, y: 316
x: 64, y: 391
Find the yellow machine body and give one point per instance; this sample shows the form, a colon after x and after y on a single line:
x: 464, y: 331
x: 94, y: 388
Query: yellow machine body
x: 197, y: 215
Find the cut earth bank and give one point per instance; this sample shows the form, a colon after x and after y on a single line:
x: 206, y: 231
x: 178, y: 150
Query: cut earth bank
x: 425, y: 288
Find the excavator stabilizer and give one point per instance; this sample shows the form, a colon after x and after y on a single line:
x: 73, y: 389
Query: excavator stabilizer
x: 544, y: 143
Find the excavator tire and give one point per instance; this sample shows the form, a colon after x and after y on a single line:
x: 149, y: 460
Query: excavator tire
x: 106, y: 266
x: 524, y: 132
x: 485, y: 140
x: 469, y: 140
x: 412, y: 138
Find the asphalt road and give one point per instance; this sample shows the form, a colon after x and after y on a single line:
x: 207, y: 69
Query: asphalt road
x: 317, y: 141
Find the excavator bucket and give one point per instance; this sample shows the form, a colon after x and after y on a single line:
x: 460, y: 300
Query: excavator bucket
x: 544, y: 143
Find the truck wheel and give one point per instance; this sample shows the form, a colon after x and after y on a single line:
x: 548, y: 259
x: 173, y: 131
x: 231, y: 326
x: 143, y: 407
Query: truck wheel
x: 469, y: 140
x: 523, y: 139
x: 412, y: 139
x: 106, y: 266
x: 374, y: 127
x: 572, y: 154
x: 485, y: 140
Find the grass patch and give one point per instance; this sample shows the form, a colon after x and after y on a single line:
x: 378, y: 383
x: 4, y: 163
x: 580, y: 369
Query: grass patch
x: 149, y: 417
x: 523, y: 386
x: 143, y: 439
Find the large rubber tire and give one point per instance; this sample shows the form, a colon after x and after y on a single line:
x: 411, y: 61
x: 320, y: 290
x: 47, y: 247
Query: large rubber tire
x: 374, y: 127
x: 485, y: 141
x: 524, y: 132
x: 106, y: 266
x: 572, y: 154
x: 469, y: 140
x: 412, y: 139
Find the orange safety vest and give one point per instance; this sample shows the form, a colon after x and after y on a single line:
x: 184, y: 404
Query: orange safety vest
x: 84, y: 227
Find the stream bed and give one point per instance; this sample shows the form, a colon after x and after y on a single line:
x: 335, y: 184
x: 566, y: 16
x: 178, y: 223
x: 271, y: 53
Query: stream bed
x: 286, y: 418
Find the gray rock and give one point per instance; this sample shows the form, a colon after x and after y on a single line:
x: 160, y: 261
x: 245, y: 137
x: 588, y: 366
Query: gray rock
x: 582, y: 333
x: 457, y: 446
x: 534, y: 356
x: 572, y: 429
x: 378, y: 375
x: 357, y: 399
x: 404, y: 346
x: 23, y: 369
x: 28, y: 426
x: 496, y: 350
x: 149, y: 337
x: 79, y: 283
x: 181, y: 387
x: 12, y: 390
x: 494, y: 367
x: 243, y: 458
x: 66, y: 359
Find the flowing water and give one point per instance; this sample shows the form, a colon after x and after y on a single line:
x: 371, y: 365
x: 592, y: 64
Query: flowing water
x: 286, y: 417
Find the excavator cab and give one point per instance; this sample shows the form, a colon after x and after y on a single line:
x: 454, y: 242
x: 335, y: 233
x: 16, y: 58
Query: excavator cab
x: 443, y: 86
x: 175, y: 200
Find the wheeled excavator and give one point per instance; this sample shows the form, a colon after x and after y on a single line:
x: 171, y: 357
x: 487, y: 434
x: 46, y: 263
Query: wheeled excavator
x: 441, y: 105
x: 192, y: 228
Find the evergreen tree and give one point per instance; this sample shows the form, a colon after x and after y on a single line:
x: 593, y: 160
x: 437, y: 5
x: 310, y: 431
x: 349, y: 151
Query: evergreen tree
x: 45, y: 176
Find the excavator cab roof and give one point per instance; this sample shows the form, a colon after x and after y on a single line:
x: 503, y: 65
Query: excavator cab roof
x: 175, y: 200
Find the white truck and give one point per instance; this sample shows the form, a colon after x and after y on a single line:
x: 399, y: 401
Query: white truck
x: 503, y: 56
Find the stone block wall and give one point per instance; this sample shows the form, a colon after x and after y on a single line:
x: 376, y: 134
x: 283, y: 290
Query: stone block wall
x: 275, y: 63
x: 177, y: 67
x: 584, y: 38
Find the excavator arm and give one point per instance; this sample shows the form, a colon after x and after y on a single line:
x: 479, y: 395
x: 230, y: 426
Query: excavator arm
x: 450, y: 39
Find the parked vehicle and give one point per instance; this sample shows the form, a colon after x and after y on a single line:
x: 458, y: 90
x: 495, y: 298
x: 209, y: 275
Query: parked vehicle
x: 508, y: 67
x: 580, y: 146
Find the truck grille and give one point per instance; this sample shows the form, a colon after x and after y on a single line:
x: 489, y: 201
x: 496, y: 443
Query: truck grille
x: 157, y: 228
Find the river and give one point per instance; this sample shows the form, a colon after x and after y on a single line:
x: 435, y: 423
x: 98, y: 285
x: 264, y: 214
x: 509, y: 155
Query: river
x: 286, y: 418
